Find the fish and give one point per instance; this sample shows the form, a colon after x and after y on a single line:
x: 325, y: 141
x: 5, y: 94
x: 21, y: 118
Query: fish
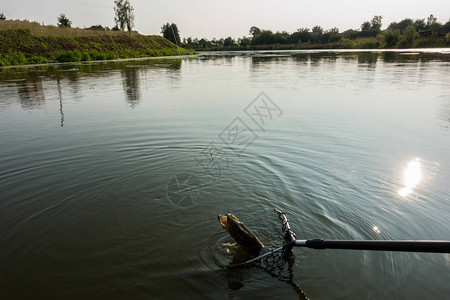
x: 252, y: 246
x: 243, y: 236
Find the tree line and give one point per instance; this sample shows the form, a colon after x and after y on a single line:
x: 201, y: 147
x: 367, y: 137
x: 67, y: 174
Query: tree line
x: 401, y: 33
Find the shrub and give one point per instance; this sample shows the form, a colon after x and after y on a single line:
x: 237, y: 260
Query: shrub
x: 95, y: 55
x: 37, y: 60
x: 111, y: 55
x: 69, y: 56
x: 85, y: 56
x: 366, y: 43
x: 126, y: 53
x: 97, y: 27
x: 3, y: 61
x: 17, y: 59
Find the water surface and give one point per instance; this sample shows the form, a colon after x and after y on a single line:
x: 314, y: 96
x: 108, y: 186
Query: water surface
x: 112, y: 175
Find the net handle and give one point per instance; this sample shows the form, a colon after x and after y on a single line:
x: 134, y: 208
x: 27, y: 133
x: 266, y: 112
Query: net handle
x: 430, y: 246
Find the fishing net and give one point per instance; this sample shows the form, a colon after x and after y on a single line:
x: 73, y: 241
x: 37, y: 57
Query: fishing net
x: 276, y: 260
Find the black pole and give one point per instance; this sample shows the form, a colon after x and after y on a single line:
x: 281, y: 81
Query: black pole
x: 433, y: 246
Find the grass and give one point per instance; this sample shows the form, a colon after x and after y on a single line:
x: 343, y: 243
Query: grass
x: 33, y: 43
x: 51, y: 30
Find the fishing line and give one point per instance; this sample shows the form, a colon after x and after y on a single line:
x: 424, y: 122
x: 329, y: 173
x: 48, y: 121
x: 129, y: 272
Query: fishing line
x: 173, y: 32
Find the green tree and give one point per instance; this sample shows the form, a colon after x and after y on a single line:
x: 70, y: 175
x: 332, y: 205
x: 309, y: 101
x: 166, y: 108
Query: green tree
x: 351, y: 34
x: 229, y: 41
x: 393, y: 26
x: 331, y: 35
x: 432, y: 23
x: 375, y: 25
x: 63, y: 21
x: 244, y: 41
x: 300, y: 36
x: 391, y: 37
x: 419, y: 24
x: 316, y: 34
x: 317, y: 29
x: 254, y: 31
x: 124, y: 16
x: 266, y: 37
x: 431, y: 20
x: 372, y: 28
x: 280, y: 37
x: 304, y: 34
x: 2, y: 16
x: 409, y: 37
x: 405, y: 23
x: 365, y: 29
x: 170, y: 32
x: 402, y: 25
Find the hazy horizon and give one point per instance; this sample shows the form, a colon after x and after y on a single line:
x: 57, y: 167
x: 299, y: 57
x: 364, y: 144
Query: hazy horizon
x: 219, y: 19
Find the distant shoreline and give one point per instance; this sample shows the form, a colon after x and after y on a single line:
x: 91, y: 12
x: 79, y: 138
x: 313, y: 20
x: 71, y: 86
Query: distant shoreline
x: 99, y: 61
x: 306, y: 47
x: 445, y: 50
x: 408, y: 51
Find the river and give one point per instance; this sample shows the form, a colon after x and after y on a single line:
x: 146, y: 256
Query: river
x: 112, y: 174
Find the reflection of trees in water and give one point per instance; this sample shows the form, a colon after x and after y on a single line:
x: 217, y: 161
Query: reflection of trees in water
x: 31, y: 93
x: 367, y: 59
x: 214, y: 60
x: 73, y: 75
x: 316, y: 58
x: 172, y: 69
x: 411, y: 57
x: 260, y: 63
x: 134, y: 75
x: 228, y: 59
x: 131, y: 85
x: 77, y: 78
x: 366, y: 67
x: 389, y: 56
x: 256, y: 60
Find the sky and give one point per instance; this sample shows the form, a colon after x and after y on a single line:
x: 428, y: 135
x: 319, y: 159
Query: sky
x: 217, y: 18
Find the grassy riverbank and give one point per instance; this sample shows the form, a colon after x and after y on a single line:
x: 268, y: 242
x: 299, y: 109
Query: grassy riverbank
x: 23, y: 42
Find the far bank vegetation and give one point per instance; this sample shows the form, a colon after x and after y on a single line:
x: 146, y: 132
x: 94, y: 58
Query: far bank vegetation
x: 407, y: 33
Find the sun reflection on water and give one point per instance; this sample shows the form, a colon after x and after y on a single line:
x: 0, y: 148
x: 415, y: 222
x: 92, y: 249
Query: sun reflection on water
x: 411, y: 177
x: 376, y: 229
